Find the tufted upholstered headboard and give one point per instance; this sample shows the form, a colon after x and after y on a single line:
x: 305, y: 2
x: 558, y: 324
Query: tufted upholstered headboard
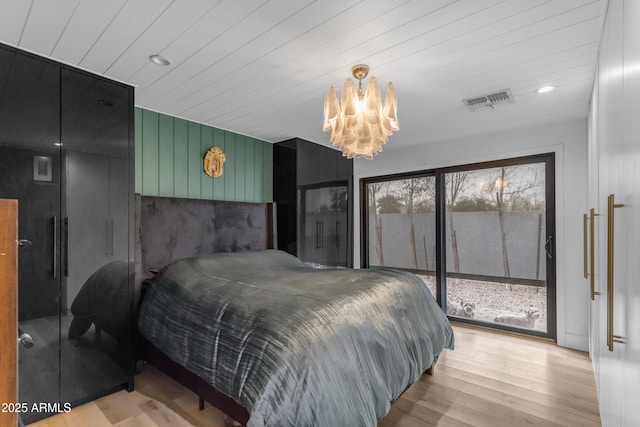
x: 170, y: 228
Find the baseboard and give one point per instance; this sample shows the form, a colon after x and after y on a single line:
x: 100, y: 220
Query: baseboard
x: 574, y: 341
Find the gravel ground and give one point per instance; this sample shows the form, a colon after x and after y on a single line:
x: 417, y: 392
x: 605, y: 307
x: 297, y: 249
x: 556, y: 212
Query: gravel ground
x: 492, y: 299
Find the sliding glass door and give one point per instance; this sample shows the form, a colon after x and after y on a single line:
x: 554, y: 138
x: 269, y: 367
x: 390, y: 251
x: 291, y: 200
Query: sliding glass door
x: 401, y: 231
x: 480, y: 236
x: 498, y: 245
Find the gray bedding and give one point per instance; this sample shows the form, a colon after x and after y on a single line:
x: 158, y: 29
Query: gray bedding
x: 296, y: 346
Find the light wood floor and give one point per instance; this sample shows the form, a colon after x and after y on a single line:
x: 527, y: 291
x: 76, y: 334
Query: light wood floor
x: 490, y: 379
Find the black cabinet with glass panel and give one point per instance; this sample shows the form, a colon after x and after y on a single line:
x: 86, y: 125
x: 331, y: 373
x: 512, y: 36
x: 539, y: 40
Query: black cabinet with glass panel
x: 312, y: 186
x: 65, y: 154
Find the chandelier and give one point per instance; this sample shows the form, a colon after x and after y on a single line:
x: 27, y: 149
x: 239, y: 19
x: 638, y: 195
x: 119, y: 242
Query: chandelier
x: 361, y: 123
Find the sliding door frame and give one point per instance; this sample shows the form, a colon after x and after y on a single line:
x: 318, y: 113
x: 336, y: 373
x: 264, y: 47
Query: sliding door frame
x: 441, y: 223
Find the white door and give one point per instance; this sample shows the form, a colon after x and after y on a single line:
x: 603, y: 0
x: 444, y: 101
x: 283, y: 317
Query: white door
x: 628, y: 220
x: 615, y: 158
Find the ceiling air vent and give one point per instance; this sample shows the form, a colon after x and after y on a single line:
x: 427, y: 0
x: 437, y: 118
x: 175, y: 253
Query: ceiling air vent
x: 489, y: 101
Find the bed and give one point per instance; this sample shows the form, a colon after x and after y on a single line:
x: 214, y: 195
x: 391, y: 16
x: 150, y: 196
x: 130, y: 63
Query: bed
x: 276, y: 342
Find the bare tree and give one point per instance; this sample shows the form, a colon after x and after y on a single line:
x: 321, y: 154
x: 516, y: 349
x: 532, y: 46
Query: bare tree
x: 500, y: 204
x: 411, y: 192
x: 373, y: 189
x: 455, y: 185
x: 508, y: 186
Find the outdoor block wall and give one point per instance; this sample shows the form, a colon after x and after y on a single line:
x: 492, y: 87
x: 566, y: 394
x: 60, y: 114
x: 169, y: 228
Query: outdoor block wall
x: 479, y: 243
x: 169, y: 161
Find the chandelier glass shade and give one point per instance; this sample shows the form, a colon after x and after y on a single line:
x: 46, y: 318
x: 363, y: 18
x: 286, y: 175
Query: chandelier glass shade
x: 360, y: 123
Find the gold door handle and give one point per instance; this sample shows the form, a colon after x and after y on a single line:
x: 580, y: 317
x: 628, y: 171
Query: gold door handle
x: 611, y: 205
x: 584, y: 242
x: 592, y: 253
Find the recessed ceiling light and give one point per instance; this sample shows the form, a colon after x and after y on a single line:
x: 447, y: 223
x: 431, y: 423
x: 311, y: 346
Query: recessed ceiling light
x: 544, y: 89
x: 159, y: 60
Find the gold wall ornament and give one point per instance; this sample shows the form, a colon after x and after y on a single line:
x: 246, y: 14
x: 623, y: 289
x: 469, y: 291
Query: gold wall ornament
x: 214, y: 161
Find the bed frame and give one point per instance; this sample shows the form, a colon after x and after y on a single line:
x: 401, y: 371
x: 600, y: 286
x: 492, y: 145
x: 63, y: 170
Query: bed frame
x: 166, y: 231
x: 236, y: 412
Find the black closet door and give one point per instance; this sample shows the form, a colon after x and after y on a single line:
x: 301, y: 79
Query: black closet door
x: 96, y: 191
x: 324, y: 224
x: 66, y: 156
x: 30, y: 170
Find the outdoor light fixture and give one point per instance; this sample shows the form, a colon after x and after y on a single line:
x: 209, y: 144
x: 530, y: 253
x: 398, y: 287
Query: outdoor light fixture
x: 361, y: 123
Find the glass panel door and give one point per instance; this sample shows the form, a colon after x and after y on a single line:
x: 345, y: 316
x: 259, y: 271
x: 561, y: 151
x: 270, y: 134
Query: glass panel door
x: 498, y: 245
x: 401, y: 225
x: 95, y: 324
x: 324, y: 224
x: 30, y: 165
x: 65, y: 155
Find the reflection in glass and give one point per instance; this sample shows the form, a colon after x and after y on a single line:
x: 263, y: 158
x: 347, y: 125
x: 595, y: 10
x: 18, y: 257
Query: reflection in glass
x: 30, y: 165
x: 95, y: 323
x: 56, y: 137
x: 324, y: 223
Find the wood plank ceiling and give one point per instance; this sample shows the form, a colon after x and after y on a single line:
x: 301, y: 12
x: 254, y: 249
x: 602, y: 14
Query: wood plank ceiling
x: 261, y: 68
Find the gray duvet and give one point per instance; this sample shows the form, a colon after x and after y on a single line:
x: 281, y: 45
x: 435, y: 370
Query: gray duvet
x: 295, y: 345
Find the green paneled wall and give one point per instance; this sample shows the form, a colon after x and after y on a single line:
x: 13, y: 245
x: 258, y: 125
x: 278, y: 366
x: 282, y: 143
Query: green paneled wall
x: 170, y: 154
